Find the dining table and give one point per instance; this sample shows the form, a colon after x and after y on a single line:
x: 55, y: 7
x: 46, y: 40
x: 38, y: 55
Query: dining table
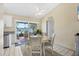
x: 44, y: 40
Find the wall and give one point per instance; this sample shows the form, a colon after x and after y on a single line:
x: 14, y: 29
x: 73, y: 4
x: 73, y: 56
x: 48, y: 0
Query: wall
x: 1, y: 11
x: 66, y: 24
x: 1, y: 29
x: 10, y: 21
x: 21, y: 18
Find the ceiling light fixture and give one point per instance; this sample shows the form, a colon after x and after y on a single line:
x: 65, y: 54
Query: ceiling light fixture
x: 39, y: 12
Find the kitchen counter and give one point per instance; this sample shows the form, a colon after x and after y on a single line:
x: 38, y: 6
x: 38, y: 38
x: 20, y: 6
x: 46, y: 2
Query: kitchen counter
x: 9, y: 30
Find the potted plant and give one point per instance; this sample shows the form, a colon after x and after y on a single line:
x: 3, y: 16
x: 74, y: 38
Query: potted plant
x: 38, y: 32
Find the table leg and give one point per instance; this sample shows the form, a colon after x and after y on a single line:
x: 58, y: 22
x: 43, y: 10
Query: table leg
x: 43, y: 49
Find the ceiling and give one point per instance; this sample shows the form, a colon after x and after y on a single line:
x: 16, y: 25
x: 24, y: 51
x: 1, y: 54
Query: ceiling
x: 37, y: 10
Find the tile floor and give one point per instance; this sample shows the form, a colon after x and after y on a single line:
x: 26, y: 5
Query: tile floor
x: 23, y: 51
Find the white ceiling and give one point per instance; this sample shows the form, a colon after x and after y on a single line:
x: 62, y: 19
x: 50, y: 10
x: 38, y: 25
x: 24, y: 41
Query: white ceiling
x: 37, y: 10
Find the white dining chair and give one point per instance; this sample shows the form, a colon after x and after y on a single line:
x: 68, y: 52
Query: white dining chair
x: 49, y: 45
x: 35, y: 45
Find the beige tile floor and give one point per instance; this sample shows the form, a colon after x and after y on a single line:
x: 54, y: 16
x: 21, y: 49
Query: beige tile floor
x: 24, y: 51
x: 63, y: 50
x: 20, y: 51
x: 13, y: 51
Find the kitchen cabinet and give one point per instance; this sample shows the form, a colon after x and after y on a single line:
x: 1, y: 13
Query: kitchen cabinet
x: 9, y: 29
x: 8, y: 21
x: 8, y: 36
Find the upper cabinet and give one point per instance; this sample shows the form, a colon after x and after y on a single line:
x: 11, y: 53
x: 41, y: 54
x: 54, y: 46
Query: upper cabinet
x: 8, y: 21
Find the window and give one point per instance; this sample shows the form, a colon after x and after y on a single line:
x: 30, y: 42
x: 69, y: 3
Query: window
x: 32, y: 27
x: 21, y: 27
x: 25, y: 28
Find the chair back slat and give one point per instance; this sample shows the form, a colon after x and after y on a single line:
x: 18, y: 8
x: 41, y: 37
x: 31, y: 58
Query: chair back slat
x: 52, y: 39
x: 36, y: 44
x: 35, y: 41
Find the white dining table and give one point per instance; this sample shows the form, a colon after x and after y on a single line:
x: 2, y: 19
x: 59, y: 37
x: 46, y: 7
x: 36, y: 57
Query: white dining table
x: 44, y: 40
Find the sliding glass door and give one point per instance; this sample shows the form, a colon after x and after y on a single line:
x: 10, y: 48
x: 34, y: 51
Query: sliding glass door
x: 23, y: 30
x: 32, y: 28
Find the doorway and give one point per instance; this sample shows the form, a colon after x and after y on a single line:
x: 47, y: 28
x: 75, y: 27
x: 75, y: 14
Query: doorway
x: 50, y: 27
x: 23, y: 30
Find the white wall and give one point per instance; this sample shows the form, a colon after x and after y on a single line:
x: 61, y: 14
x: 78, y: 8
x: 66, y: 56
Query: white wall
x: 1, y: 36
x: 1, y: 29
x: 66, y: 24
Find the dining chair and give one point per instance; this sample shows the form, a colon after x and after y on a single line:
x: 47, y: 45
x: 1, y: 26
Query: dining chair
x: 35, y: 45
x: 49, y: 45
